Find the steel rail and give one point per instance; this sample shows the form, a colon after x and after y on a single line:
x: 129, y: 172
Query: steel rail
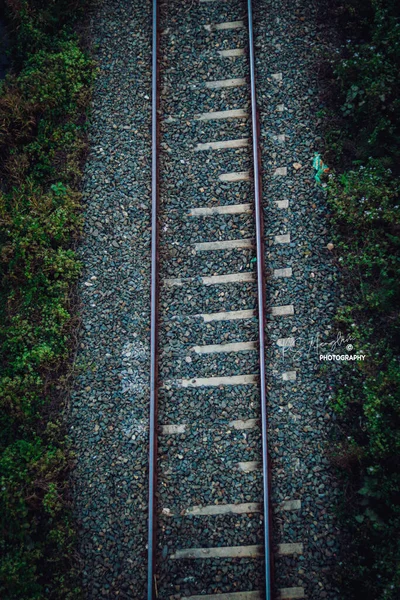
x: 154, y: 313
x: 261, y: 304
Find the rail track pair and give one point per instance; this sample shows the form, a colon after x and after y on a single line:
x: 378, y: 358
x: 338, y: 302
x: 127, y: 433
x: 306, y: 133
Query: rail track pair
x: 153, y: 591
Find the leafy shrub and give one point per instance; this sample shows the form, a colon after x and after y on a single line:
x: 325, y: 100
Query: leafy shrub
x: 368, y: 78
x: 42, y: 148
x: 364, y: 195
x: 367, y: 213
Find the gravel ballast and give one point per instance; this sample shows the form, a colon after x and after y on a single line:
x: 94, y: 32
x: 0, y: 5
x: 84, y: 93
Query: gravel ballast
x: 288, y: 41
x: 109, y: 404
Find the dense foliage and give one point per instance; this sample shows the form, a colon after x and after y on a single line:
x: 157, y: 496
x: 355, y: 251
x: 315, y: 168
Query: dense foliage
x: 364, y: 190
x: 42, y: 144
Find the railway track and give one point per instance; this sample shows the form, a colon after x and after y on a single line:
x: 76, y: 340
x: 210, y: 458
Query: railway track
x: 209, y: 512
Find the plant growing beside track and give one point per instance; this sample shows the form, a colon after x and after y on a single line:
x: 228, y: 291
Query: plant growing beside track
x: 363, y: 142
x: 43, y: 104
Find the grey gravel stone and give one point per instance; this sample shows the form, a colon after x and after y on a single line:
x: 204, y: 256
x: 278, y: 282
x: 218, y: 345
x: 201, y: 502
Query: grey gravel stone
x: 109, y: 403
x: 288, y: 41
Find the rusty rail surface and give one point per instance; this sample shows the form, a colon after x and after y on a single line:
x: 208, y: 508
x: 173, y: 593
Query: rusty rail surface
x: 154, y: 314
x: 261, y: 302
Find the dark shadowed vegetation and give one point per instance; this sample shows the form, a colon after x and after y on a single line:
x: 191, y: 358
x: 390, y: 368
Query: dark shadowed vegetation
x: 363, y: 135
x: 43, y: 103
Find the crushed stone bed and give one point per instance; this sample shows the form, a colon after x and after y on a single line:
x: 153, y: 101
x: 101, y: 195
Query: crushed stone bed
x: 300, y: 419
x: 109, y: 403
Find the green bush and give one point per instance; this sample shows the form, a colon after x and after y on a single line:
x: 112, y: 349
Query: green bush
x: 364, y: 193
x: 367, y: 210
x: 368, y: 78
x: 42, y: 147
